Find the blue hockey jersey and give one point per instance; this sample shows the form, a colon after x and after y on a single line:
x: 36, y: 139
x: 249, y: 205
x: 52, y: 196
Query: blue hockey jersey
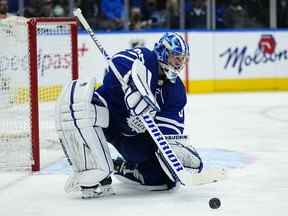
x: 171, y: 97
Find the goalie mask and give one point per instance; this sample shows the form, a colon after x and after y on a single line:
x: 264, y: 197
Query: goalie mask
x: 172, y: 53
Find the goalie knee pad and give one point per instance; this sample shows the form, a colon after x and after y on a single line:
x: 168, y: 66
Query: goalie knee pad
x: 79, y: 125
x: 74, y: 106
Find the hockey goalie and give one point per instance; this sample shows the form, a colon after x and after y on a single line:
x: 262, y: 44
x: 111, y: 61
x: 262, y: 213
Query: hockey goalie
x: 87, y: 119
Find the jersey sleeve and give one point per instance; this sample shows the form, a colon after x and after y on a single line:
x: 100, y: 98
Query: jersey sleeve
x: 172, y: 99
x: 123, y: 61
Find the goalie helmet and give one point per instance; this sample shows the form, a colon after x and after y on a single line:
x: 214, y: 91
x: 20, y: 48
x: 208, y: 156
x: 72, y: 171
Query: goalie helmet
x: 172, y: 52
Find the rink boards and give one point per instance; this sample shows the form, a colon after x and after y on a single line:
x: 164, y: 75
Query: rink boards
x: 219, y: 60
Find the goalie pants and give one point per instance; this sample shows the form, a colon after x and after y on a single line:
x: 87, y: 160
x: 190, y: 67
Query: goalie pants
x: 140, y: 151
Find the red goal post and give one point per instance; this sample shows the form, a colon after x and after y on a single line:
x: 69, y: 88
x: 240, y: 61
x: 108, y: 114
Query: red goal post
x: 39, y: 56
x: 32, y: 25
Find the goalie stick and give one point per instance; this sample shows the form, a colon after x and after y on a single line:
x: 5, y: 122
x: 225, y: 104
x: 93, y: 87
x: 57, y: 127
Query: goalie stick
x: 167, y: 155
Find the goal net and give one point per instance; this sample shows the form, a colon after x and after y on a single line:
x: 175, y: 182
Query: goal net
x: 37, y: 57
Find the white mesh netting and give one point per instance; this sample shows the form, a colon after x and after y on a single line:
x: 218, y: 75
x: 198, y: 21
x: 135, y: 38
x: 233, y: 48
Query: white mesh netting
x: 54, y: 65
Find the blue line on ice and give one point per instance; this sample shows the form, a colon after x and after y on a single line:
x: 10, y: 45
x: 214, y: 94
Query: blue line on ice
x: 211, y: 157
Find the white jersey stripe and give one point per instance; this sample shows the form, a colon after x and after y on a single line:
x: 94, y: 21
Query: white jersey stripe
x: 170, y: 126
x: 133, y: 53
x: 123, y: 56
x: 170, y: 121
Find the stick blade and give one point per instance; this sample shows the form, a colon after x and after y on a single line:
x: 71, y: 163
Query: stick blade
x: 208, y: 175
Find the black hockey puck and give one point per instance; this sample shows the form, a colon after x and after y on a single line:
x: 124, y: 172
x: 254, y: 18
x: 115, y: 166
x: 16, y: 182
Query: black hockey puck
x: 214, y: 203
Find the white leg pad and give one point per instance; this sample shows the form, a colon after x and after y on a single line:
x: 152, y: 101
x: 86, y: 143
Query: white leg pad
x: 82, y: 139
x: 88, y: 150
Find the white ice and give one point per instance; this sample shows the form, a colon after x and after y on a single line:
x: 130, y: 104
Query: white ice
x: 253, y: 124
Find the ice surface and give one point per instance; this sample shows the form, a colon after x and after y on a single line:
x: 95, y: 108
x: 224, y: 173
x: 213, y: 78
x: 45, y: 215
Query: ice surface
x: 246, y: 133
